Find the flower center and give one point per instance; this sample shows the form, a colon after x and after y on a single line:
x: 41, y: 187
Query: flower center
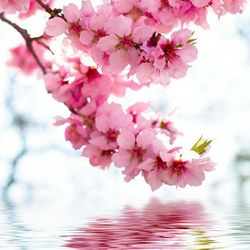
x: 107, y: 153
x: 75, y: 29
x: 89, y: 120
x: 98, y: 35
x: 179, y: 167
x: 112, y: 134
x: 170, y: 50
x: 125, y: 43
x: 159, y: 163
x: 138, y: 153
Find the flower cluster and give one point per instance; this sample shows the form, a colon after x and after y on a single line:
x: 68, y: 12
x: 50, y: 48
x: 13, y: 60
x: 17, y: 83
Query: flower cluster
x: 132, y: 43
x: 25, y: 8
x: 130, y: 139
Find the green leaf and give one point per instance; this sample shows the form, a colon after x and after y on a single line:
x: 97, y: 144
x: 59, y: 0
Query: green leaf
x: 201, y: 146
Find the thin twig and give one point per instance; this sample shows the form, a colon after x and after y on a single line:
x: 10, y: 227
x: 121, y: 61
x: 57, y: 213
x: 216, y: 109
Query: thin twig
x: 24, y: 33
x: 46, y: 8
x: 43, y: 45
x: 52, y: 12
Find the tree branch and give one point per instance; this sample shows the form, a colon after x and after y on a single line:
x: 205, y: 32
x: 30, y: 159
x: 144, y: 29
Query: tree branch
x: 46, y: 8
x: 28, y: 40
x: 52, y: 12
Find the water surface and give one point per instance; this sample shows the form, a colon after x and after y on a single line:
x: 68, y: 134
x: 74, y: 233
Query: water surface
x: 155, y: 225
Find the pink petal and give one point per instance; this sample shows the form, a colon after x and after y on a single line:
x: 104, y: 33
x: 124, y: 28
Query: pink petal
x: 56, y: 26
x: 118, y: 60
x: 86, y: 37
x: 107, y: 43
x: 121, y: 159
x: 126, y: 140
x: 97, y: 22
x: 99, y: 141
x: 71, y: 13
x: 102, y: 123
x: 121, y: 26
x: 123, y: 6
x: 142, y: 33
x: 147, y: 165
x: 153, y: 180
x: 200, y: 3
x: 144, y: 139
x: 144, y: 72
x: 188, y: 53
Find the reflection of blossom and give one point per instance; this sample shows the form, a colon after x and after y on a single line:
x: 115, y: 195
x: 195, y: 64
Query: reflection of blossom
x: 156, y: 226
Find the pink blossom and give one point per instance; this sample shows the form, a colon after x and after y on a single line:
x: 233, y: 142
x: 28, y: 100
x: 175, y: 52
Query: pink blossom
x: 75, y: 133
x: 98, y: 157
x: 133, y: 150
x: 122, y: 42
x: 22, y: 58
x: 200, y: 3
x: 12, y: 6
x: 33, y: 7
x: 182, y: 172
x: 154, y: 167
x: 70, y: 23
x: 109, y: 126
x: 234, y: 6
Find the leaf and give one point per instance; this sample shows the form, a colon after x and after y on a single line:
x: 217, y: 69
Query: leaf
x: 201, y: 146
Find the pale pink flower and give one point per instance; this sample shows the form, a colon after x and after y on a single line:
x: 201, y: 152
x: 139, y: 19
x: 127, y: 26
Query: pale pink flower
x: 108, y: 126
x: 12, y: 6
x: 200, y: 3
x: 133, y: 150
x: 234, y: 6
x: 75, y: 133
x: 189, y: 171
x: 22, y: 58
x: 33, y: 7
x: 141, y: 122
x: 70, y: 23
x: 98, y: 157
x: 175, y: 54
x: 121, y: 45
x: 154, y: 167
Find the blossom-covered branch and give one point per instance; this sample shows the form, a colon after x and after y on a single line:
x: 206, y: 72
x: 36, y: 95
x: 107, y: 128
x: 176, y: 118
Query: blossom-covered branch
x: 150, y: 43
x: 28, y: 40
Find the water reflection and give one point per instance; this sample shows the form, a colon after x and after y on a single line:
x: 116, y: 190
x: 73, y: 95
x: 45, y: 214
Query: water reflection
x: 177, y: 225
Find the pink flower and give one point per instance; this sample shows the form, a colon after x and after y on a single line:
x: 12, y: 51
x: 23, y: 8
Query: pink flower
x: 172, y: 168
x: 12, y: 6
x: 234, y: 6
x: 95, y: 31
x: 22, y: 59
x: 76, y: 133
x: 70, y: 23
x: 33, y: 7
x: 176, y: 53
x: 109, y: 125
x: 133, y: 150
x: 98, y: 157
x: 189, y: 171
x: 200, y: 3
x: 154, y: 167
x: 122, y: 42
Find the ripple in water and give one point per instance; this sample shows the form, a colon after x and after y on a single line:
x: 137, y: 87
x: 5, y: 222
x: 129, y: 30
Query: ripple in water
x: 177, y: 225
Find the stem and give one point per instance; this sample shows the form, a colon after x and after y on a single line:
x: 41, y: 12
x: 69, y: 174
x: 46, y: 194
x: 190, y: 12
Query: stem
x: 52, y: 12
x: 28, y: 40
x: 46, y: 8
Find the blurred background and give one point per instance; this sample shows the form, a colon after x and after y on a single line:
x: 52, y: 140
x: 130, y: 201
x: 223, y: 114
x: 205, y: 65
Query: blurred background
x: 48, y: 190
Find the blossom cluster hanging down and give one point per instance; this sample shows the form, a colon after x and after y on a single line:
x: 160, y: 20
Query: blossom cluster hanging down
x: 132, y: 43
